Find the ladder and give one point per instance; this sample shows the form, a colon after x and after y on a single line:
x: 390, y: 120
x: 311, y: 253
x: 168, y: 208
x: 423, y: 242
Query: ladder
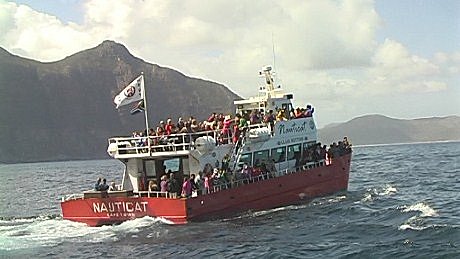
x: 236, y: 152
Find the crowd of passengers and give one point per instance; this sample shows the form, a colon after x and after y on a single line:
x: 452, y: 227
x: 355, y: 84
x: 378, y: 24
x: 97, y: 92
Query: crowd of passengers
x: 204, y: 182
x: 317, y: 152
x: 229, y: 127
x: 101, y: 185
x: 222, y: 176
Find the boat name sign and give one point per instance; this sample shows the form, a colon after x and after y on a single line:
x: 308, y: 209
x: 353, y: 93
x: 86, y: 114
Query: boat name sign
x: 293, y: 127
x: 120, y: 207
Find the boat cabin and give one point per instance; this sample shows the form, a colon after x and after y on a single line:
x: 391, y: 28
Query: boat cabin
x: 269, y: 98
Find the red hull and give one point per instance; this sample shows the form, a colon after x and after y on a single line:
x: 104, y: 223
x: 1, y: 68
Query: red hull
x: 294, y: 188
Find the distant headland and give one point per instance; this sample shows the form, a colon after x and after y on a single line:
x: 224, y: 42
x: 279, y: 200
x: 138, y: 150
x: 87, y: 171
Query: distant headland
x: 64, y: 110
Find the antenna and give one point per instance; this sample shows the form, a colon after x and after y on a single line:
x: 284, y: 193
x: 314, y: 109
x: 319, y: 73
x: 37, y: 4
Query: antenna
x: 273, y: 49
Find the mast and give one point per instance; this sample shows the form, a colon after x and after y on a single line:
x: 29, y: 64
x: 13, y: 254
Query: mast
x: 145, y: 108
x: 273, y: 50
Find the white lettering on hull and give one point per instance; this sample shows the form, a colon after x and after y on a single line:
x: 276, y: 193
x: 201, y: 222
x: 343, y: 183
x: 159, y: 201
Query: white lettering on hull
x: 120, y: 207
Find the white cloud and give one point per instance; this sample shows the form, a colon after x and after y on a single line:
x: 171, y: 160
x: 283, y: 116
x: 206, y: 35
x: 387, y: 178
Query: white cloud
x: 395, y: 60
x: 40, y: 36
x: 450, y: 62
x: 396, y: 70
x: 326, y: 51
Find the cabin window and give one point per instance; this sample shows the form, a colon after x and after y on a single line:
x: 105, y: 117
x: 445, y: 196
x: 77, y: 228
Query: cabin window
x: 260, y: 157
x: 293, y: 152
x: 150, y: 168
x: 172, y: 164
x: 246, y: 158
x: 286, y: 108
x: 279, y: 154
x: 307, y: 145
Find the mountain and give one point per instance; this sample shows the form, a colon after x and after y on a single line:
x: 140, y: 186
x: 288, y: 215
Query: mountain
x: 64, y: 110
x: 378, y: 129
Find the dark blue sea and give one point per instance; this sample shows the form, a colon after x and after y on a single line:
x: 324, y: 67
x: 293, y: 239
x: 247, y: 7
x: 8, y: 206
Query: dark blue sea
x: 403, y: 201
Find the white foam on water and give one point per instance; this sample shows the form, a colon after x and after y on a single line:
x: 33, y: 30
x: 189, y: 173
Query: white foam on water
x: 136, y: 225
x: 39, y: 233
x: 407, y: 226
x: 337, y: 199
x: 388, y: 190
x: 270, y: 211
x: 370, y: 194
x: 20, y: 220
x: 266, y: 212
x: 50, y: 232
x: 367, y: 197
x: 329, y: 200
x: 425, y: 209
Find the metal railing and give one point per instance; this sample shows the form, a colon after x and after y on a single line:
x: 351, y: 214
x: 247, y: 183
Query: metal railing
x: 223, y: 186
x: 168, y: 143
x: 74, y: 196
x: 146, y: 145
x: 266, y: 176
x: 156, y: 194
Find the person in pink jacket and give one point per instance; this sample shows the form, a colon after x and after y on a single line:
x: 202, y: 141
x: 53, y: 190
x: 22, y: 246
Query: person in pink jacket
x: 186, y: 188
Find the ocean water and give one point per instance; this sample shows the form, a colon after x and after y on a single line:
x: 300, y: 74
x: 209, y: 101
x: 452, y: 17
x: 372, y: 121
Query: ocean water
x: 403, y: 201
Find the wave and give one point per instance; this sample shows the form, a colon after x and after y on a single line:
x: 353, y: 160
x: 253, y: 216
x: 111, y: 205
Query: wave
x: 328, y: 200
x: 40, y: 231
x: 416, y: 222
x: 424, y: 208
x: 371, y: 194
x: 318, y: 201
x: 270, y: 211
x: 10, y: 220
x: 418, y: 228
x: 407, y: 226
x: 253, y: 214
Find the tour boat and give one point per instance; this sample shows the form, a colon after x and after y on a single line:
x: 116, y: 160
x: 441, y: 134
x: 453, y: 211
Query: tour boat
x: 265, y: 167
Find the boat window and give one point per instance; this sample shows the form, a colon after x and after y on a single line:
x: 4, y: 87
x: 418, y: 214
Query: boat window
x: 293, y: 152
x: 184, y: 166
x: 287, y: 107
x: 172, y: 164
x: 306, y: 145
x: 279, y: 154
x: 246, y: 158
x: 260, y: 157
x: 150, y: 168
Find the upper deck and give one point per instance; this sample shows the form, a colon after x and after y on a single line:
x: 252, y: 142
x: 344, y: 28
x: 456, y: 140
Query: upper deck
x: 290, y: 131
x: 163, y: 146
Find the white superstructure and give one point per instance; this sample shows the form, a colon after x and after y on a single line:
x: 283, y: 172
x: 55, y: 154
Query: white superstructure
x: 258, y: 144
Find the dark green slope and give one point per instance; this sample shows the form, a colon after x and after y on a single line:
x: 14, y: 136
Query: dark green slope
x: 378, y: 129
x: 64, y: 109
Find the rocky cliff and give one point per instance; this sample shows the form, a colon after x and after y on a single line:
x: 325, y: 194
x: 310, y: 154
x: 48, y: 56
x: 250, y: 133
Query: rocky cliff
x: 378, y: 129
x: 64, y: 110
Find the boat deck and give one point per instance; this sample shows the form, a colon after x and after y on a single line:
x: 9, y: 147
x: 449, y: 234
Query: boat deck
x: 166, y: 145
x: 215, y: 188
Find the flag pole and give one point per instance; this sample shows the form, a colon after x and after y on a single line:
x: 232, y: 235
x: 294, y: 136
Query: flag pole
x: 145, y: 110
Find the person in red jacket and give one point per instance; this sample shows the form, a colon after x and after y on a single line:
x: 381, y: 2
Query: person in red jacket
x: 169, y: 127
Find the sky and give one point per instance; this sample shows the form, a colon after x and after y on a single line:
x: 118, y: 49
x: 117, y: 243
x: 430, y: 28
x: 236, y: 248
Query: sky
x: 347, y: 58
